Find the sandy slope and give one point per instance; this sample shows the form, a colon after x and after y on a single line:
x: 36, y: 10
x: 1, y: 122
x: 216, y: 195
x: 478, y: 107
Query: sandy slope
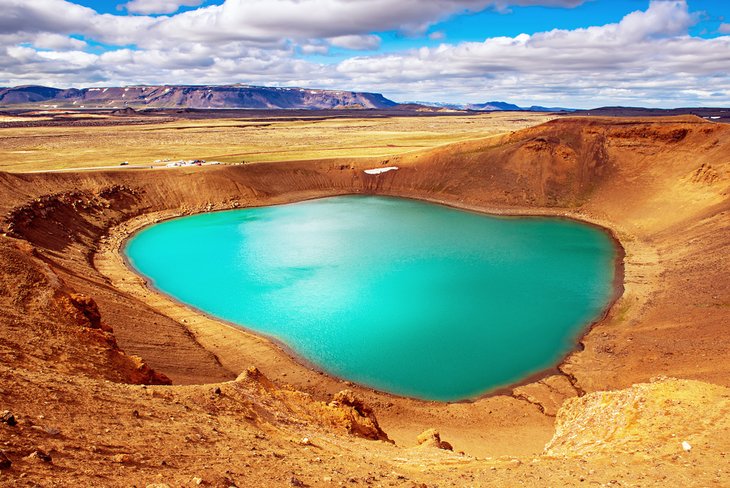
x: 660, y: 184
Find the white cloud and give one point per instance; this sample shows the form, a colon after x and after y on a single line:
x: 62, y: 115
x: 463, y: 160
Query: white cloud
x: 648, y: 58
x: 21, y: 54
x: 57, y: 42
x: 53, y: 16
x: 262, y: 21
x: 724, y: 29
x: 159, y: 6
x: 504, y: 5
x: 267, y: 20
x: 545, y: 3
x: 313, y: 48
x: 358, y: 43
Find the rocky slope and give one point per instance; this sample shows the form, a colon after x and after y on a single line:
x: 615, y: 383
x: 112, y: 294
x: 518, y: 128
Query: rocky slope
x: 171, y: 96
x: 69, y: 307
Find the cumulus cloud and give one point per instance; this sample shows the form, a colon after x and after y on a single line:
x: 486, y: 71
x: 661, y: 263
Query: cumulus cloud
x: 43, y: 16
x: 57, y: 42
x: 159, y: 6
x: 267, y: 20
x: 504, y: 5
x: 724, y: 28
x: 357, y: 43
x: 23, y: 18
x: 544, y: 3
x: 242, y: 20
x: 647, y: 58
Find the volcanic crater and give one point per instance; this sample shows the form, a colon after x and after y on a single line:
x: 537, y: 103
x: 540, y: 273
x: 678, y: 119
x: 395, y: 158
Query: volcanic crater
x: 119, y: 385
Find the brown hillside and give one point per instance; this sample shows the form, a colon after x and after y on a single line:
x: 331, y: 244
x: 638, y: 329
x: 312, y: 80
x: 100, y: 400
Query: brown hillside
x: 74, y: 322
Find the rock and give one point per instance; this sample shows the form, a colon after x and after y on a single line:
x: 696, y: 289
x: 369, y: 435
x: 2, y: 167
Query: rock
x: 217, y: 391
x: 197, y: 481
x: 85, y: 311
x: 640, y: 419
x: 251, y: 373
x: 432, y: 438
x: 4, y: 461
x: 347, y: 397
x: 141, y: 373
x: 122, y: 458
x: 686, y: 446
x: 305, y: 441
x: 158, y: 485
x: 8, y: 418
x: 294, y: 481
x: 38, y: 456
x: 359, y: 419
x: 428, y: 437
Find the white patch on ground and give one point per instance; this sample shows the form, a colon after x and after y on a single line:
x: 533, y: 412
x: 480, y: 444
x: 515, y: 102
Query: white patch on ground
x: 377, y: 171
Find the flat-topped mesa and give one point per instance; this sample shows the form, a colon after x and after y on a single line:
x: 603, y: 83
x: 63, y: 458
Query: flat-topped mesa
x: 192, y: 96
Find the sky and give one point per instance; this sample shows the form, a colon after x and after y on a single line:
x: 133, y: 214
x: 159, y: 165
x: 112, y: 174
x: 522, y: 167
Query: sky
x: 569, y: 53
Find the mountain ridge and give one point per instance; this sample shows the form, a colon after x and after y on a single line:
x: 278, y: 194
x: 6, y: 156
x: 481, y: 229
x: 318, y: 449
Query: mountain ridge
x: 492, y: 106
x: 191, y: 96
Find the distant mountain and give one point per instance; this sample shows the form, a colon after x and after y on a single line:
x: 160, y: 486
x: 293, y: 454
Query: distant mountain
x: 27, y: 94
x: 449, y: 106
x: 192, y: 96
x: 490, y: 106
x: 721, y: 114
x: 493, y: 106
x: 431, y: 108
x: 539, y: 108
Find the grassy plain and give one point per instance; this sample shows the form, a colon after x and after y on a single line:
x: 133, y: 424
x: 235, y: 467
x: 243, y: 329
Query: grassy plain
x: 233, y: 140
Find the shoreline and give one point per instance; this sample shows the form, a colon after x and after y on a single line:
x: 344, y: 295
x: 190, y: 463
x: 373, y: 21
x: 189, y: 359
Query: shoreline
x: 281, y: 348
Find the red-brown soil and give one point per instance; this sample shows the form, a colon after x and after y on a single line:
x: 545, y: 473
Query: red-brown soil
x: 74, y: 323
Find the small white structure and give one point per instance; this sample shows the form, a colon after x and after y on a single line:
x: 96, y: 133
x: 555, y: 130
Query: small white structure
x: 378, y: 171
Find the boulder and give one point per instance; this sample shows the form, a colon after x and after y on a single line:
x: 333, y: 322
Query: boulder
x: 294, y: 481
x: 4, y: 461
x: 253, y: 376
x: 122, y: 458
x: 8, y: 418
x: 38, y: 456
x: 83, y: 310
x: 358, y: 419
x: 142, y: 374
x: 432, y: 438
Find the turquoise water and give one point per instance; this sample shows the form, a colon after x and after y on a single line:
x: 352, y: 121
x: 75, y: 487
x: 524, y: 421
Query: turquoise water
x: 404, y: 296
